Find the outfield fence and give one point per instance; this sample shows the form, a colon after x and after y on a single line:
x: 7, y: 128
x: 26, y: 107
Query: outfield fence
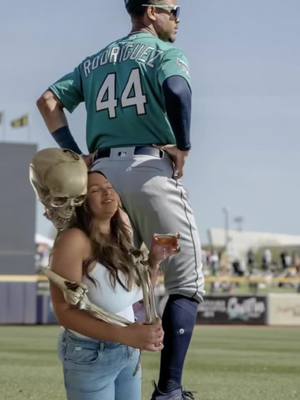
x: 25, y: 299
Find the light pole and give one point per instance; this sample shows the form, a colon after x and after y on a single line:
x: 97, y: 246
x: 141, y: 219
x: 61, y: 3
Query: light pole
x: 239, y: 222
x: 226, y: 226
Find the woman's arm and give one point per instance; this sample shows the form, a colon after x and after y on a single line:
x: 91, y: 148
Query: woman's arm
x: 154, y: 270
x: 71, y: 249
x: 159, y: 253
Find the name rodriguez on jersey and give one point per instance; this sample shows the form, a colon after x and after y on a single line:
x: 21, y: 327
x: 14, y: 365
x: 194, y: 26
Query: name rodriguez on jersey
x: 117, y: 54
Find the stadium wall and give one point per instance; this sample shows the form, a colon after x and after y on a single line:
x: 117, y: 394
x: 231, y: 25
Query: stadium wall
x: 17, y: 230
x: 272, y: 309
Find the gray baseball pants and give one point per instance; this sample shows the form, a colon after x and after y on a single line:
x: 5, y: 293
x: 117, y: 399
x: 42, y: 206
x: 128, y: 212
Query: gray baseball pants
x: 157, y: 203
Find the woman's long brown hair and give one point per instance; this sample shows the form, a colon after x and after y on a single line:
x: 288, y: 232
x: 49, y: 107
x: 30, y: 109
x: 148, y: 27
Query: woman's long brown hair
x: 115, y: 252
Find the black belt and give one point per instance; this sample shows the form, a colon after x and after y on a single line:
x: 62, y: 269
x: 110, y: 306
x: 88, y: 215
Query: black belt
x: 143, y: 150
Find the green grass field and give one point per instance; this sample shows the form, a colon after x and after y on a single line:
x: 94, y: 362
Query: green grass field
x: 224, y: 363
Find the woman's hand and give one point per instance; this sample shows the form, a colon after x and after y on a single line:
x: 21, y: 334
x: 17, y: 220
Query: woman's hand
x: 144, y: 337
x: 162, y: 247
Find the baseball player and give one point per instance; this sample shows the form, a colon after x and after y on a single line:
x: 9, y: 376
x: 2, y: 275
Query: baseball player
x: 137, y: 93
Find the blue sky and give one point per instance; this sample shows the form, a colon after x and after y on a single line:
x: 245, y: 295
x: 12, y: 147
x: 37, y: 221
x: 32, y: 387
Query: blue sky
x: 245, y: 64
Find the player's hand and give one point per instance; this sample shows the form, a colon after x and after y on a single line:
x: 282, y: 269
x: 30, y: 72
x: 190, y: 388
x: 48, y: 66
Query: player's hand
x: 144, y: 336
x: 178, y: 157
x: 88, y: 159
x: 161, y: 250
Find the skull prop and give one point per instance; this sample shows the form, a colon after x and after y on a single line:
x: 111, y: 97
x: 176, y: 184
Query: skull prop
x: 59, y: 179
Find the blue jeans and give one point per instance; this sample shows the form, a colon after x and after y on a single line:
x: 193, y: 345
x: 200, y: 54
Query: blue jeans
x: 98, y: 370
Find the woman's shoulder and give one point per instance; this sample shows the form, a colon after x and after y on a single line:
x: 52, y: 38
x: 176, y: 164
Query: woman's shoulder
x: 72, y: 234
x: 70, y: 250
x: 73, y: 239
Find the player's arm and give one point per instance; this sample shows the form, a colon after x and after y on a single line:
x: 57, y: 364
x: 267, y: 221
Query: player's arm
x: 174, y: 78
x: 52, y: 111
x: 66, y: 93
x: 53, y: 114
x: 178, y: 101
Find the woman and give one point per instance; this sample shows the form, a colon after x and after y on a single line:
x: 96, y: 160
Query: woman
x: 100, y: 360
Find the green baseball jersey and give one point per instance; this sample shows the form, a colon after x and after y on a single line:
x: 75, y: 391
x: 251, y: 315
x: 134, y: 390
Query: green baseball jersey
x: 121, y: 86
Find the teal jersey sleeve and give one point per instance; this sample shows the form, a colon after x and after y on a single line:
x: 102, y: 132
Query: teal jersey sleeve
x: 173, y: 63
x: 69, y: 90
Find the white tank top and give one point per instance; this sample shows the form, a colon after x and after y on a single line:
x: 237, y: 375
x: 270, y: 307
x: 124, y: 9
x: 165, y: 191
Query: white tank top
x: 116, y: 299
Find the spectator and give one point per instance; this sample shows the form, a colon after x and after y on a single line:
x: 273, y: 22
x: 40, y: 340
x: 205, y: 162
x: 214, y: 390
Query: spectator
x: 250, y: 261
x: 267, y: 260
x: 283, y: 260
x: 214, y: 263
x: 237, y: 268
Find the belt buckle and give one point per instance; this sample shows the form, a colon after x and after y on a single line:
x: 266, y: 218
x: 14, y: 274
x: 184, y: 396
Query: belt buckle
x: 122, y: 154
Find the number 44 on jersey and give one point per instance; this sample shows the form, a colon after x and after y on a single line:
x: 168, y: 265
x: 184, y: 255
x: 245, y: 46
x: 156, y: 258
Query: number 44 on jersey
x: 132, y: 94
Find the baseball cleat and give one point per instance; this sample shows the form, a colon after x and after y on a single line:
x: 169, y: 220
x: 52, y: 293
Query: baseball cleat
x: 177, y: 394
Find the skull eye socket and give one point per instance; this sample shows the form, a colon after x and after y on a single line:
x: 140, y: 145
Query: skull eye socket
x: 79, y: 200
x: 59, y: 201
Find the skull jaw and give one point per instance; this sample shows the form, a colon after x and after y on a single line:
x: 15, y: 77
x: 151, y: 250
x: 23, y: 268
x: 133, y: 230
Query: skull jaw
x: 60, y: 220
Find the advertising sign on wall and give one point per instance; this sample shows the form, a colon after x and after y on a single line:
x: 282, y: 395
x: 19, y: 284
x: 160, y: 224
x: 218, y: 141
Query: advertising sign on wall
x: 250, y: 310
x: 284, y: 309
